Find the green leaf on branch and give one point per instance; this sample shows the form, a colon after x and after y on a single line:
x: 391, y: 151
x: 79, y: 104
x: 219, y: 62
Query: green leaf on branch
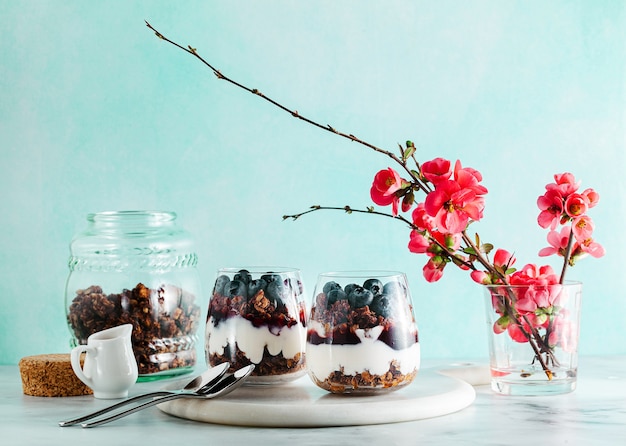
x: 486, y: 248
x: 408, y: 153
x: 469, y: 250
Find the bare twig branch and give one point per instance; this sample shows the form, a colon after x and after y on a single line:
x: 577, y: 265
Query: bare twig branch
x: 294, y: 113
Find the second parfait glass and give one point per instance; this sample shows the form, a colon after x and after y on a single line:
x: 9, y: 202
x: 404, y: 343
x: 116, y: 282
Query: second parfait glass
x: 362, y: 336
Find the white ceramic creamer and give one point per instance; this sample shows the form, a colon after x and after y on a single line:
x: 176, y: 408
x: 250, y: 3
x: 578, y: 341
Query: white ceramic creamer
x: 110, y: 368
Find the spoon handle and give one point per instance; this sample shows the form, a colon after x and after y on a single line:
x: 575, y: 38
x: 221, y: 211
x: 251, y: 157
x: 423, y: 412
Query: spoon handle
x: 114, y: 406
x: 155, y: 401
x: 217, y: 387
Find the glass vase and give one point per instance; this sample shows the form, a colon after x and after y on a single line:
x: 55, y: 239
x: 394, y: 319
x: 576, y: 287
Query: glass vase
x: 533, y: 335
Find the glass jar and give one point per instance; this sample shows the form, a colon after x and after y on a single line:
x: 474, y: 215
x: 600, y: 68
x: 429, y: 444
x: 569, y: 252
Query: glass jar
x: 139, y: 268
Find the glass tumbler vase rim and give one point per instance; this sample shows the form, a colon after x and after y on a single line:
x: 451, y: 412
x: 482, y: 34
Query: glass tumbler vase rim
x: 569, y: 283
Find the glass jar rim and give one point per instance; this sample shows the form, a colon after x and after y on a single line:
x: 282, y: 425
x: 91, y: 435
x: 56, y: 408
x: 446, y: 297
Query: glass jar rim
x: 132, y: 215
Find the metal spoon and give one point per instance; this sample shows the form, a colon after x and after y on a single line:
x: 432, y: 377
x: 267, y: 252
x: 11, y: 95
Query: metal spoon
x: 207, y: 379
x: 224, y: 386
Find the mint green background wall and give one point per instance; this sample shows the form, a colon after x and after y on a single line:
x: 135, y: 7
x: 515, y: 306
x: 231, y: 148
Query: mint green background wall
x: 98, y: 114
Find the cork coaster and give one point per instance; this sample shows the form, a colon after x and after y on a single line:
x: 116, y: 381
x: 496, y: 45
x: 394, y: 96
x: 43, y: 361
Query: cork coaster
x: 50, y: 375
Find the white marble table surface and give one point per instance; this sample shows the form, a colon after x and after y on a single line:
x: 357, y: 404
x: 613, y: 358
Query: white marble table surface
x: 595, y: 414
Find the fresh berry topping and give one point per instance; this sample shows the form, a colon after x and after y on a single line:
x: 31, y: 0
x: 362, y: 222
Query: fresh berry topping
x: 349, y: 287
x: 255, y: 286
x: 277, y: 292
x: 393, y: 288
x: 271, y: 277
x: 243, y: 276
x: 360, y: 297
x: 379, y: 298
x: 220, y: 284
x: 381, y: 305
x: 334, y: 295
x: 330, y: 286
x: 236, y: 288
x: 374, y: 285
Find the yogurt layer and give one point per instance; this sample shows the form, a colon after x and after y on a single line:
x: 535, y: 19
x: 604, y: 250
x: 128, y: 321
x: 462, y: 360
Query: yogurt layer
x: 369, y: 354
x: 253, y: 340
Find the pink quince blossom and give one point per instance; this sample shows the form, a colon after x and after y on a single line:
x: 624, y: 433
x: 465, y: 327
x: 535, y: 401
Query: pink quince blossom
x: 421, y: 219
x: 501, y: 325
x: 591, y: 247
x: 558, y: 245
x: 537, y: 297
x: 592, y: 196
x: 551, y: 206
x: 418, y: 243
x: 532, y: 274
x: 437, y: 170
x: 564, y: 333
x: 558, y: 242
x: 481, y: 277
x: 583, y: 228
x: 469, y: 178
x: 576, y: 205
x: 453, y: 206
x: 433, y: 270
x: 383, y: 191
x: 502, y: 260
x: 565, y: 183
x: 519, y: 334
x: 450, y: 241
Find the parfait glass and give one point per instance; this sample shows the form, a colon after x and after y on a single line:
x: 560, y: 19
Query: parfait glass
x: 257, y: 315
x: 361, y: 333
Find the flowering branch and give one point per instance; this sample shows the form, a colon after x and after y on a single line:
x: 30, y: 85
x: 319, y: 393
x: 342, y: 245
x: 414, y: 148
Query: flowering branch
x: 371, y: 210
x: 454, y: 199
x: 567, y: 256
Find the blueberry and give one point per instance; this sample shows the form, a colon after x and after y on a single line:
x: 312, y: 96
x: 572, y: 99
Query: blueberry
x: 236, y: 288
x: 349, y: 287
x: 334, y: 295
x: 243, y: 276
x: 271, y: 277
x: 374, y: 285
x: 255, y: 286
x: 277, y: 292
x: 330, y: 286
x: 220, y: 285
x: 360, y: 297
x: 381, y: 305
x: 393, y: 289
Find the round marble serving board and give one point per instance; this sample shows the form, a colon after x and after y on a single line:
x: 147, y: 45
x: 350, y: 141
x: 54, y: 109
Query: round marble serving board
x: 303, y: 404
